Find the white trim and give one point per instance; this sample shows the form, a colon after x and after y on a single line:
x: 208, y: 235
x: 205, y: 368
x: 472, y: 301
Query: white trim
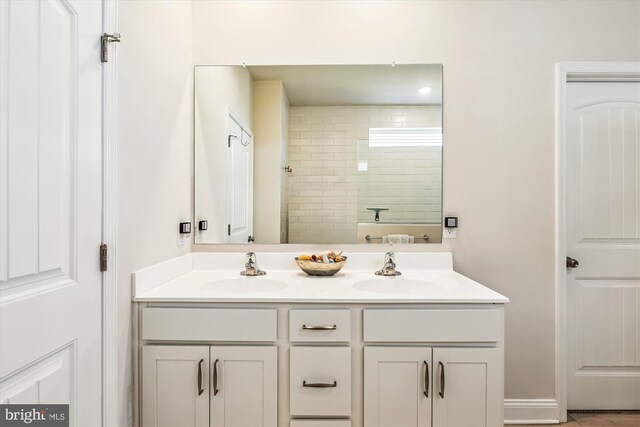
x: 531, y: 411
x: 110, y: 409
x: 563, y: 70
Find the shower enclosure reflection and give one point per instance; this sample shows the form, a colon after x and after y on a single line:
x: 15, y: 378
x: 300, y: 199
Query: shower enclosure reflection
x: 399, y: 181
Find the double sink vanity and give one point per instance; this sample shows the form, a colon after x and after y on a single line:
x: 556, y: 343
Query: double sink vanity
x: 317, y: 155
x: 217, y: 348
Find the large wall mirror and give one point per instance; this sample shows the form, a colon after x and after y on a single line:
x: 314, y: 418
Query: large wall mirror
x: 318, y: 154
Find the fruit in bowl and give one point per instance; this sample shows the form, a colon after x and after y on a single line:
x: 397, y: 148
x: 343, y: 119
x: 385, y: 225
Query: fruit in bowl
x: 326, y: 264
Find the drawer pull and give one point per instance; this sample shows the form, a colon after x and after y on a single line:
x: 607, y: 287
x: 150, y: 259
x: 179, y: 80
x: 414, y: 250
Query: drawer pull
x: 426, y: 379
x: 320, y: 385
x: 319, y: 328
x: 215, y: 377
x: 441, y: 392
x: 200, y: 389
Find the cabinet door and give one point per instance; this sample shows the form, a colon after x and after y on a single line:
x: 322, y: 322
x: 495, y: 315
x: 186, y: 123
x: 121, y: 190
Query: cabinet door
x: 397, y: 386
x: 468, y: 384
x: 175, y: 388
x: 244, y: 386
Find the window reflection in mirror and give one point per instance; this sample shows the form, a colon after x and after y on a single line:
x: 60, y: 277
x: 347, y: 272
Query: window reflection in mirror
x: 318, y: 154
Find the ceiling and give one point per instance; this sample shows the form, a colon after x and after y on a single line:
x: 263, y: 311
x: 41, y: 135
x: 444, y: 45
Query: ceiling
x: 335, y: 85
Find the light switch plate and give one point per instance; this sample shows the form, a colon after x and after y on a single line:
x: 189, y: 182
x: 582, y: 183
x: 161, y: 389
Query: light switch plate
x: 451, y: 221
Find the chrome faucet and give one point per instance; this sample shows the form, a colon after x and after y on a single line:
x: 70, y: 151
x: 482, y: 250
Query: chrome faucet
x: 251, y: 268
x: 389, y: 267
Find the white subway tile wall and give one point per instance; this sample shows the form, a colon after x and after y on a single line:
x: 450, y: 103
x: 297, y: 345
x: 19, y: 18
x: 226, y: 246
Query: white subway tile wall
x: 326, y: 189
x: 405, y: 180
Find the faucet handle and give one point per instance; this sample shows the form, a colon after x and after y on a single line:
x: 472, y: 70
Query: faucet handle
x: 251, y: 267
x: 389, y: 267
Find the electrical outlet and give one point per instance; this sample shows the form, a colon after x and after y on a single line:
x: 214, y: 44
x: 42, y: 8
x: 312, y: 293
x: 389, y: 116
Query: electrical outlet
x: 449, y: 233
x: 182, y: 239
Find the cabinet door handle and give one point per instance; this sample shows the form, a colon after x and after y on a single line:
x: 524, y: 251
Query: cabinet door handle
x: 215, y: 377
x: 200, y: 389
x: 319, y: 385
x: 320, y: 328
x: 441, y: 392
x: 426, y: 379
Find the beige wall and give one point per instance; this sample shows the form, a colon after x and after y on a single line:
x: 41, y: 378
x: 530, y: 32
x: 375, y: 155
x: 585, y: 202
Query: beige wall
x: 498, y: 59
x: 154, y: 151
x: 269, y: 106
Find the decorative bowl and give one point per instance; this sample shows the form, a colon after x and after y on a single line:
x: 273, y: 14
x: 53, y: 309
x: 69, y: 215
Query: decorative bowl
x: 313, y: 268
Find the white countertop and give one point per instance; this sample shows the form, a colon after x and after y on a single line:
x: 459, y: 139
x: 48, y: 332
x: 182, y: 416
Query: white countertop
x: 206, y: 277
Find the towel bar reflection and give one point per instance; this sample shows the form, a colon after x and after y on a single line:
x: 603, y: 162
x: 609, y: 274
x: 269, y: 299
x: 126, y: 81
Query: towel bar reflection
x: 368, y: 237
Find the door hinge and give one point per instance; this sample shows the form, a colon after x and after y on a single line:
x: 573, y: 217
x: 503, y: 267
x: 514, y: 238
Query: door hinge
x: 104, y: 257
x: 229, y: 230
x: 105, y: 39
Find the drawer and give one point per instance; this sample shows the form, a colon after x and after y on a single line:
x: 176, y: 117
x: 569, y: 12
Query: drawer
x: 209, y: 324
x: 320, y: 423
x: 320, y: 381
x: 319, y: 325
x: 436, y: 325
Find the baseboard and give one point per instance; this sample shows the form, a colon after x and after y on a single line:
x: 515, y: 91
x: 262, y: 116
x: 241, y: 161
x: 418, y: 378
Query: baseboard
x: 530, y: 411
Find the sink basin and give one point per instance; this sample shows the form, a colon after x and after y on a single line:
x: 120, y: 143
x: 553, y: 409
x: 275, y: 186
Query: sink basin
x: 244, y: 285
x: 396, y: 285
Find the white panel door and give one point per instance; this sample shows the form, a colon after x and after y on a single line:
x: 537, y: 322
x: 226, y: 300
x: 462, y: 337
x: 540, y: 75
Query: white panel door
x: 468, y: 384
x: 244, y: 386
x: 239, y: 182
x: 398, y: 386
x: 50, y: 205
x: 603, y: 234
x: 175, y: 386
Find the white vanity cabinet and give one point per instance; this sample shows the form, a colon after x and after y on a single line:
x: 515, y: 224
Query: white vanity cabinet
x: 321, y: 365
x: 432, y: 387
x: 228, y: 378
x: 468, y: 384
x: 397, y: 386
x: 244, y: 390
x: 437, y: 367
x: 216, y: 349
x: 175, y: 384
x: 200, y: 386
